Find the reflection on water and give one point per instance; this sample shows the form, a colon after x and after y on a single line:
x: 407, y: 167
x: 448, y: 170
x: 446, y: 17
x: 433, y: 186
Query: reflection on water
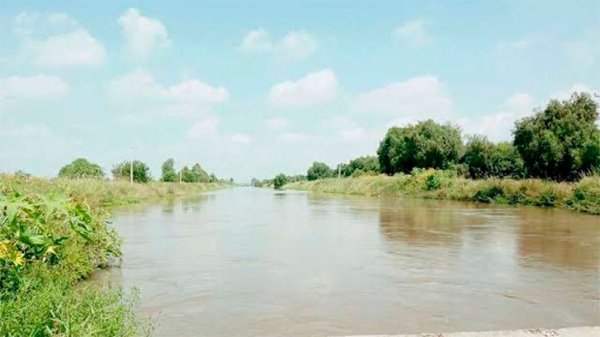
x: 253, y: 262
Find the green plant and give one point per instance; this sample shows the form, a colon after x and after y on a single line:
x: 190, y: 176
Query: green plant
x: 81, y: 168
x: 141, y: 171
x: 279, y: 181
x: 562, y: 141
x: 423, y: 145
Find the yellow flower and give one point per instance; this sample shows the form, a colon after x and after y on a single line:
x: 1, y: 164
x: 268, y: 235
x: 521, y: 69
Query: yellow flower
x: 19, y: 259
x: 51, y: 250
x: 3, y: 249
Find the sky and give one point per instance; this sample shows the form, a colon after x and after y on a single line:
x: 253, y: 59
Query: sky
x: 253, y: 88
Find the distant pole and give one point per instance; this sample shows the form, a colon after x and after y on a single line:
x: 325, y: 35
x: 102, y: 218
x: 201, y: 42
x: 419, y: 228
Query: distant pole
x: 339, y: 171
x: 180, y: 176
x: 131, y: 165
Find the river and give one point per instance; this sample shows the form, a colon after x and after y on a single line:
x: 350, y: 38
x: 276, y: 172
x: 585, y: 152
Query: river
x: 256, y: 262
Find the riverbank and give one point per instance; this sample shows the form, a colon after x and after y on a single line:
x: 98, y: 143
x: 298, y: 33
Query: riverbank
x: 583, y: 195
x: 570, y: 332
x: 53, y: 233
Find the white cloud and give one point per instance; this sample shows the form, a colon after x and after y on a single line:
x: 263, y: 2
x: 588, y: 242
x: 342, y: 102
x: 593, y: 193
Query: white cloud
x: 276, y: 123
x: 140, y: 85
x: 578, y: 87
x: 241, y: 138
x: 204, y: 128
x: 414, y: 34
x: 37, y: 86
x: 293, y: 46
x: 256, y: 41
x: 142, y: 34
x: 56, y: 39
x: 293, y: 137
x: 417, y: 98
x: 499, y: 125
x: 313, y: 89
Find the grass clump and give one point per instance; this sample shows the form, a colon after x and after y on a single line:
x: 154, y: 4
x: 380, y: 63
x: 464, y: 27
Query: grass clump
x: 583, y: 195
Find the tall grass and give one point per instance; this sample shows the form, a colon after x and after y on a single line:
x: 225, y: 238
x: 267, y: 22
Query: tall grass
x: 53, y: 233
x: 583, y: 195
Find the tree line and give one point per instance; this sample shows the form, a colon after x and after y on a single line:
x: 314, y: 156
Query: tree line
x: 560, y: 142
x: 82, y: 168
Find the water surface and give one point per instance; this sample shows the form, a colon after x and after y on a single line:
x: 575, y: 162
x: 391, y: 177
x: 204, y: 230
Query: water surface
x: 254, y: 262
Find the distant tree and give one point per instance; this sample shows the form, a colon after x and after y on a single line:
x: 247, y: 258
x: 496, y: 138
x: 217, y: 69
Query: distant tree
x: 201, y: 175
x: 279, y: 181
x: 213, y: 178
x: 486, y: 159
x: 141, y: 171
x: 423, y: 145
x: 562, y: 141
x: 81, y: 168
x: 360, y: 165
x: 188, y: 176
x: 168, y: 171
x: 318, y: 170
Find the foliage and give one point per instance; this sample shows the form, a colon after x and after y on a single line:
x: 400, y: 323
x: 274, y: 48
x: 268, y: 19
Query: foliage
x: 359, y: 166
x: 562, y: 141
x: 318, y: 170
x: 583, y: 195
x: 81, y: 168
x: 141, y: 171
x: 485, y: 159
x: 49, y: 241
x: 279, y: 181
x: 168, y: 171
x: 424, y: 145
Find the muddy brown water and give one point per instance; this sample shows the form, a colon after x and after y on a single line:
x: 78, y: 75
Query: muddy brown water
x: 255, y: 262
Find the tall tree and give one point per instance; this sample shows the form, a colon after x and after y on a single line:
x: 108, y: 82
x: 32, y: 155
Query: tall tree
x: 562, y: 141
x: 168, y: 171
x: 423, y: 145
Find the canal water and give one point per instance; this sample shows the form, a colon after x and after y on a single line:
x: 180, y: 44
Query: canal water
x: 256, y: 262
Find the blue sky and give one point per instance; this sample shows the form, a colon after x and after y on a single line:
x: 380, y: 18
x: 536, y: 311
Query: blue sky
x: 251, y: 89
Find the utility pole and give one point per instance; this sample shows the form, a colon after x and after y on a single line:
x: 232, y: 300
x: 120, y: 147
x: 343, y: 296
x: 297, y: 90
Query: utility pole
x: 180, y: 175
x: 339, y: 171
x: 131, y: 165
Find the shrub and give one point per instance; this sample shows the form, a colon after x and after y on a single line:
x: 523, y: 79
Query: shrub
x: 168, y: 171
x: 279, y: 181
x: 81, y: 168
x: 485, y: 159
x: 423, y: 145
x: 318, y: 170
x: 141, y: 171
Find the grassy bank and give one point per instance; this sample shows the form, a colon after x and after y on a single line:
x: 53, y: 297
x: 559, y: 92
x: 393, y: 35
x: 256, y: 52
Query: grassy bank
x: 53, y: 234
x: 583, y: 195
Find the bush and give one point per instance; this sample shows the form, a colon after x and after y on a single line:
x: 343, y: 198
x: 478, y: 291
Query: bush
x: 168, y: 171
x: 360, y: 166
x: 562, y: 141
x: 318, y: 170
x: 423, y: 145
x: 279, y: 181
x: 81, y: 168
x: 485, y: 159
x: 141, y: 171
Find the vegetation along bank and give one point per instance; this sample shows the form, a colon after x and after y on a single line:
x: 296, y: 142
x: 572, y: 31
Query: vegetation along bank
x: 53, y: 234
x: 553, y: 160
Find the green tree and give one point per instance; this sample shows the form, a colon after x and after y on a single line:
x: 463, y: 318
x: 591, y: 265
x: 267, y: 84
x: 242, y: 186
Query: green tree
x: 81, y: 168
x: 141, y: 171
x: 188, y: 176
x: 360, y: 165
x: 318, y: 170
x: 168, y: 171
x: 423, y: 145
x: 560, y: 142
x: 201, y: 175
x: 279, y: 181
x: 486, y: 159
